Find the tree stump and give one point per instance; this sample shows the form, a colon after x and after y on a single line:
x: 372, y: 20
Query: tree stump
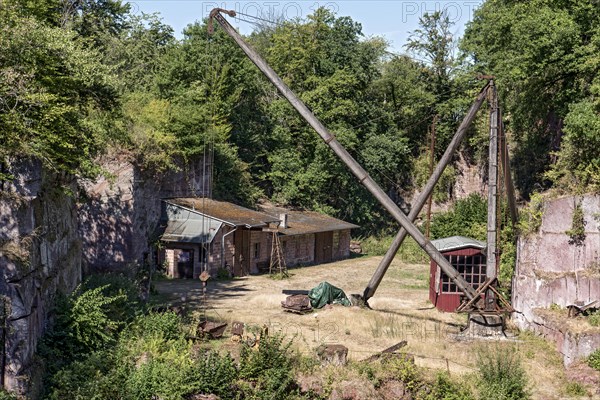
x: 332, y: 354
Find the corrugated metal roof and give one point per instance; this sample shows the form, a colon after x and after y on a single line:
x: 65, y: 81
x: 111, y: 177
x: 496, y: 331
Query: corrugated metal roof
x: 226, y: 212
x: 303, y: 222
x: 191, y: 230
x: 457, y: 243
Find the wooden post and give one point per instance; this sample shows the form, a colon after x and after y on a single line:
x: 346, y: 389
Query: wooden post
x: 508, y: 182
x: 431, y: 162
x: 491, y: 269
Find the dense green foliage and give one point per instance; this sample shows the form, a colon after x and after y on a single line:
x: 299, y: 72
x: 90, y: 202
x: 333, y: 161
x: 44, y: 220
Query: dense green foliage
x: 501, y: 375
x: 58, y: 99
x: 122, y: 83
x: 4, y: 395
x: 545, y: 56
x: 594, y: 360
x: 467, y: 218
x: 91, y: 76
x: 99, y: 349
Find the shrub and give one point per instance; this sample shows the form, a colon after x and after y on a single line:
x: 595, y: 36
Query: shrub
x: 83, y: 323
x: 409, y: 251
x: 467, y: 218
x: 404, y: 369
x: 215, y: 374
x: 444, y: 388
x: 594, y: 318
x: 167, y: 376
x: 269, y: 368
x: 94, y: 377
x: 501, y: 375
x: 530, y: 217
x: 594, y: 360
x: 163, y: 325
x: 577, y: 232
x: 4, y: 395
x: 575, y: 389
x: 91, y: 323
x: 127, y: 289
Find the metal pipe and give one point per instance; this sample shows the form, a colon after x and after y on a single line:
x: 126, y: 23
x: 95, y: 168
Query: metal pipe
x: 424, y: 195
x: 343, y: 154
x: 223, y: 248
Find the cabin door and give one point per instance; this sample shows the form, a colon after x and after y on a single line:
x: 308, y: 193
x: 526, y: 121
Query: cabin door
x: 323, y: 247
x: 241, y: 260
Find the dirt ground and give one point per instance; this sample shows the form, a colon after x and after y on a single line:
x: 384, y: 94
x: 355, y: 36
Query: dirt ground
x: 400, y: 311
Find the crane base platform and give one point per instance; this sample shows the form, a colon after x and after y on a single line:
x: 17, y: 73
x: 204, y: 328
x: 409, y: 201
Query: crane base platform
x: 484, y: 325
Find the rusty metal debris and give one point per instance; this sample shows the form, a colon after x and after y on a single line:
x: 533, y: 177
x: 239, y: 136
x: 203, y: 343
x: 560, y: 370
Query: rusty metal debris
x: 213, y: 329
x: 297, y: 303
x: 389, y: 350
x: 579, y: 307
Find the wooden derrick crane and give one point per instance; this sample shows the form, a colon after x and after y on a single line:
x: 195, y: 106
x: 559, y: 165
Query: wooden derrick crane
x: 472, y: 297
x: 277, y: 263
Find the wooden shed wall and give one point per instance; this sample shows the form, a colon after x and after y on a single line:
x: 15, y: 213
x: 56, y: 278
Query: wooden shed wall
x: 447, y: 302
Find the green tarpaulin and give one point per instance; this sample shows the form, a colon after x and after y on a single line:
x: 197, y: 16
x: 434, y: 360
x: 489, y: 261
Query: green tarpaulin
x: 325, y: 293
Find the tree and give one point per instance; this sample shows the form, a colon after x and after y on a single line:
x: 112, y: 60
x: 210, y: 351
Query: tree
x: 544, y: 55
x: 58, y: 100
x: 434, y: 41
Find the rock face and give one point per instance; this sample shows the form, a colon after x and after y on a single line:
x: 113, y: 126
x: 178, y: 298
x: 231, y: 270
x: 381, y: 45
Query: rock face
x: 47, y: 242
x: 469, y: 179
x: 40, y: 255
x: 552, y: 271
x: 118, y: 221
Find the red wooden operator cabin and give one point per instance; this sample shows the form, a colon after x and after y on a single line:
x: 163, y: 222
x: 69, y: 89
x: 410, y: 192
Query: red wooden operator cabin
x: 468, y: 257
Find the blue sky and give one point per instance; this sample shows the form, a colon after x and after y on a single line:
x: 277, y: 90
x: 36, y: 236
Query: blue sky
x: 392, y: 20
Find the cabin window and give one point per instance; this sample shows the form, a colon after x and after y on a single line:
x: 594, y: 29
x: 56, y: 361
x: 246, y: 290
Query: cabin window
x: 471, y: 268
x: 256, y: 250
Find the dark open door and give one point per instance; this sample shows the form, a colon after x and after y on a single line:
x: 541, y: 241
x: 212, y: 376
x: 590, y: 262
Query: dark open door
x: 323, y: 247
x: 246, y: 253
x: 185, y: 264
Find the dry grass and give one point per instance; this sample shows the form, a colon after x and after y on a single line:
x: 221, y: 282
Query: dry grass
x: 400, y: 311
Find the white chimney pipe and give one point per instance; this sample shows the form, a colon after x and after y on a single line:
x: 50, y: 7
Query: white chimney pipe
x: 283, y: 218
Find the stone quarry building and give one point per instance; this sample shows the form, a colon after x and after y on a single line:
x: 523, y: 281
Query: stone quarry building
x: 203, y: 234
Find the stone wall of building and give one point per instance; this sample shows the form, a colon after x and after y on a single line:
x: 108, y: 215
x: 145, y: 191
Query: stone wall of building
x: 40, y: 255
x: 551, y: 271
x: 299, y: 249
x: 341, y: 244
x: 263, y: 256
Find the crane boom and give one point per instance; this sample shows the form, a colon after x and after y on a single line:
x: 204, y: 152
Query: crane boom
x: 343, y: 154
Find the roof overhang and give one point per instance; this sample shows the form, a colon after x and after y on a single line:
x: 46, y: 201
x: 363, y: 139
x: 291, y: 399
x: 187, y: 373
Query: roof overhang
x: 191, y: 231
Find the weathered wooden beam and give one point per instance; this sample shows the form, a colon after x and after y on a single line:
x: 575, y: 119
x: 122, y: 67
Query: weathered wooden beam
x: 508, y: 181
x: 389, y: 350
x: 492, y: 267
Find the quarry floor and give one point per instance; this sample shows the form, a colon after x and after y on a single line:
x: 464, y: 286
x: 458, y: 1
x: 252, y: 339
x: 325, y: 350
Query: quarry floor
x: 400, y: 311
